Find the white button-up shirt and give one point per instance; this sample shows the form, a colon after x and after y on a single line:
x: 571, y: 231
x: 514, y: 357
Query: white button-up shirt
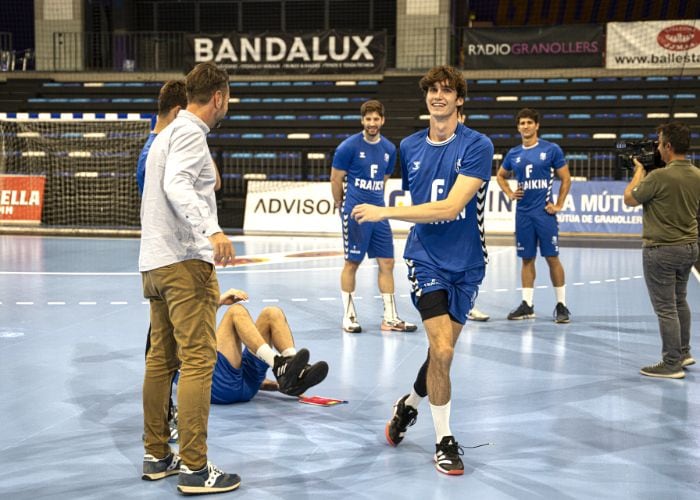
x: 178, y: 209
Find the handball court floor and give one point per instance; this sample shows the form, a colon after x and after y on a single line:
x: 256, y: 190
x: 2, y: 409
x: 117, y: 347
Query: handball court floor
x: 562, y: 408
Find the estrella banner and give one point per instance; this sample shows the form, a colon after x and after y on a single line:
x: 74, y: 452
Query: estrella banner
x: 21, y: 198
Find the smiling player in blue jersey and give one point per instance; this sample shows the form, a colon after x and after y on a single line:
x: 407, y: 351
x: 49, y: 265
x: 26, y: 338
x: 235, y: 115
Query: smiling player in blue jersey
x: 534, y: 164
x: 446, y: 168
x: 361, y: 165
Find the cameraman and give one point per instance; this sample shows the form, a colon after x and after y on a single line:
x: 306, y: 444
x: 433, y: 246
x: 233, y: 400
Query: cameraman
x: 670, y: 197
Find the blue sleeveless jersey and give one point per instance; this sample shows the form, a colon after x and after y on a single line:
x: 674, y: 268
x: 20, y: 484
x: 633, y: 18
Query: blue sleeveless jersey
x: 429, y: 170
x: 534, y: 170
x: 366, y: 165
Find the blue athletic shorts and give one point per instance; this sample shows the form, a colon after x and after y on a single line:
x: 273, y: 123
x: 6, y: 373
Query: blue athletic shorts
x: 237, y: 385
x: 462, y: 288
x: 534, y: 230
x: 371, y: 238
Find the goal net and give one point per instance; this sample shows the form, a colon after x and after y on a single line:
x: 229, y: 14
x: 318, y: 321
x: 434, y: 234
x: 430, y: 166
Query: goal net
x: 88, y: 165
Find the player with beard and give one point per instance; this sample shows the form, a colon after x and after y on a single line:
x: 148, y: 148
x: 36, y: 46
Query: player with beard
x: 361, y: 165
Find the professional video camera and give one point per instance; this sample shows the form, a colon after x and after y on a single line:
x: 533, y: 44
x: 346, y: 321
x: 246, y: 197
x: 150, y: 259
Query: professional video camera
x: 646, y: 152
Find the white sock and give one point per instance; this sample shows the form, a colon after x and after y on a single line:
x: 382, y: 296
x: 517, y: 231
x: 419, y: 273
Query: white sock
x: 441, y: 420
x: 390, y: 313
x: 561, y: 293
x: 288, y: 352
x: 348, y: 304
x: 528, y: 294
x: 413, y: 399
x: 266, y: 353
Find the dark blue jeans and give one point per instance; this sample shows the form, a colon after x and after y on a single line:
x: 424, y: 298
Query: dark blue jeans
x: 666, y: 272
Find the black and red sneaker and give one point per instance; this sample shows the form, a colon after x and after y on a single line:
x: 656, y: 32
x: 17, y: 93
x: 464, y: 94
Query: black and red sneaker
x: 404, y: 417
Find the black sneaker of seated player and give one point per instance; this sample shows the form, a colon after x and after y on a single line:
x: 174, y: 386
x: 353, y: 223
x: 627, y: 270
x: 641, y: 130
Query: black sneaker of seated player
x: 310, y: 376
x: 288, y: 369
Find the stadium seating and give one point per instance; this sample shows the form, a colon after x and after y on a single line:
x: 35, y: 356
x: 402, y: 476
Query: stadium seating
x: 288, y: 130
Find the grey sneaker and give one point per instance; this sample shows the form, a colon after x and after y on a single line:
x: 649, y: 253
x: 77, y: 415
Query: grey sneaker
x: 663, y: 370
x: 687, y: 360
x: 154, y: 469
x: 523, y: 311
x: 561, y: 313
x: 208, y: 480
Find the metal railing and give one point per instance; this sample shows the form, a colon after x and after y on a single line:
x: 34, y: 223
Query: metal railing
x: 135, y: 51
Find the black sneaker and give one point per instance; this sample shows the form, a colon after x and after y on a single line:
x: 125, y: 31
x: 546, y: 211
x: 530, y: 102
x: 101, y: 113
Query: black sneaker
x: 404, y: 417
x: 310, y: 376
x: 561, y: 313
x: 446, y: 457
x: 287, y: 370
x: 663, y: 370
x: 154, y: 469
x: 523, y: 311
x: 208, y: 480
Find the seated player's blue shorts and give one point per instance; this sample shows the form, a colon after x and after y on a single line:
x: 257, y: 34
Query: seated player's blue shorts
x: 462, y: 287
x: 531, y: 230
x: 371, y: 238
x: 237, y: 385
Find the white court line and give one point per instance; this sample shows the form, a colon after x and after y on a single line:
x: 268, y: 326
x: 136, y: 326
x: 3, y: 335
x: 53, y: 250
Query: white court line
x: 300, y: 299
x: 24, y: 303
x: 87, y: 303
x: 56, y: 303
x: 595, y: 282
x: 326, y: 298
x: 119, y: 303
x: 271, y: 300
x: 611, y: 280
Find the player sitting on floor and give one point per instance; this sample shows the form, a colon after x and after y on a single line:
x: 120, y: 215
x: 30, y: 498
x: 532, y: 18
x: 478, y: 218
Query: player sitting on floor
x: 245, y: 352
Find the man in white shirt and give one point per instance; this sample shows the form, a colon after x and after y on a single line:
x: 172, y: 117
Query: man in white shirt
x: 181, y: 241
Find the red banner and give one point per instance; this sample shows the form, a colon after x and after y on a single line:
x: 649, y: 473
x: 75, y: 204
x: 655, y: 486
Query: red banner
x: 21, y: 198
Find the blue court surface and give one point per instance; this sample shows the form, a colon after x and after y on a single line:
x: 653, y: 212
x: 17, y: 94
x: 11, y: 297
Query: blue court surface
x: 562, y: 409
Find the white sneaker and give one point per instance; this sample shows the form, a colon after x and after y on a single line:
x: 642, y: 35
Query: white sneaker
x: 351, y: 325
x: 476, y: 315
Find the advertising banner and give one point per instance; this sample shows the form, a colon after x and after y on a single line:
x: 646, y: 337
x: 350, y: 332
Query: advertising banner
x: 527, y: 48
x: 597, y: 207
x: 276, y: 53
x: 653, y: 44
x: 592, y: 207
x: 307, y: 207
x: 21, y: 198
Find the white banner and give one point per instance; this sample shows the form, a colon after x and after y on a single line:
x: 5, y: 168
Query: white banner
x: 653, y: 44
x: 307, y: 207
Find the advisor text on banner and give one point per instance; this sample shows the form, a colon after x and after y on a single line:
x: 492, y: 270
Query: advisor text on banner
x: 307, y: 207
x: 21, y: 198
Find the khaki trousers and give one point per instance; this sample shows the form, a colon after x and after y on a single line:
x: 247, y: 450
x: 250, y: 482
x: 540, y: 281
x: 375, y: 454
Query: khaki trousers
x: 184, y: 298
